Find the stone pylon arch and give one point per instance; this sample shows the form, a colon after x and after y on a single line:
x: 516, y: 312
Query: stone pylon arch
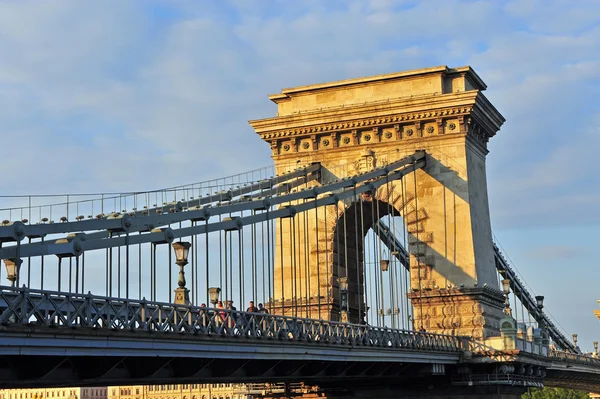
x: 352, y: 126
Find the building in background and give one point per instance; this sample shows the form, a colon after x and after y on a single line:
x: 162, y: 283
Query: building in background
x: 55, y: 393
x: 181, y: 391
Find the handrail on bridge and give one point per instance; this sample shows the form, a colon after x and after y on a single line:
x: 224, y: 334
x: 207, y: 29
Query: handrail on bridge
x: 23, y: 306
x: 574, y: 357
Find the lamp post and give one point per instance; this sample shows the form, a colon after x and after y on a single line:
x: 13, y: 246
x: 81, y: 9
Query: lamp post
x: 213, y: 294
x: 343, y: 282
x: 12, y: 270
x: 575, y: 339
x: 508, y: 325
x: 506, y: 291
x: 182, y: 294
x: 539, y: 299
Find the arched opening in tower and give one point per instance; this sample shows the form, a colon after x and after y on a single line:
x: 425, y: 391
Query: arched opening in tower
x: 370, y: 250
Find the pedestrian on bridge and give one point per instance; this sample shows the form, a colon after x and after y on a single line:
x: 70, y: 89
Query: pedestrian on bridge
x: 203, y: 315
x: 262, y: 309
x: 252, y: 308
x: 222, y: 315
x: 231, y: 316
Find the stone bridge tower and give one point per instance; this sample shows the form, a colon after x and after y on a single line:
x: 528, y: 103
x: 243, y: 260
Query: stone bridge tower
x: 353, y: 125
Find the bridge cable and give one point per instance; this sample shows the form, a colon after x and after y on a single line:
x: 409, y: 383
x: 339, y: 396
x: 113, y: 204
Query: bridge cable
x: 282, y: 268
x: 271, y: 244
x: 262, y: 261
x: 346, y: 253
x: 42, y: 267
x: 337, y: 253
x: 328, y: 245
x: 59, y: 272
x: 364, y: 242
x: 379, y: 244
x: 127, y: 264
x: 241, y: 267
x: 169, y: 272
x: 318, y: 258
x: 406, y: 273
x: 223, y: 287
x: 195, y: 271
x: 422, y: 326
x: 295, y: 239
x: 306, y: 262
x: 373, y: 261
x: 28, y: 258
x: 77, y: 274
x: 207, y: 301
x: 83, y: 273
x: 391, y: 276
x: 119, y: 271
x: 357, y: 237
x: 254, y: 259
x: 139, y: 270
x: 154, y: 274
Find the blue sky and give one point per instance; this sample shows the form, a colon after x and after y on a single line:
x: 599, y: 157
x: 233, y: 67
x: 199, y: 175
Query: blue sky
x: 137, y: 95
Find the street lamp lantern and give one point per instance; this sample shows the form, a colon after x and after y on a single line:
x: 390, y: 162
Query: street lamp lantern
x: 181, y: 249
x: 540, y: 301
x: 575, y: 339
x: 506, y: 291
x: 596, y: 348
x: 213, y: 294
x: 506, y: 286
x: 182, y: 294
x: 343, y: 282
x: 384, y: 264
x: 12, y: 270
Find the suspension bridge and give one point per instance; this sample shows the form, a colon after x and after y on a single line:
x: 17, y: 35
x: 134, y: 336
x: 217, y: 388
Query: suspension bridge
x: 368, y: 245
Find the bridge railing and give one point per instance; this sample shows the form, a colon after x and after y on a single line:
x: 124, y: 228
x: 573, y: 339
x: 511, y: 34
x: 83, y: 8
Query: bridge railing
x: 23, y: 306
x: 574, y: 357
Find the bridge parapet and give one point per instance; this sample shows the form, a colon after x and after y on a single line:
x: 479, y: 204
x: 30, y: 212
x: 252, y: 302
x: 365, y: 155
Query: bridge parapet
x: 25, y: 307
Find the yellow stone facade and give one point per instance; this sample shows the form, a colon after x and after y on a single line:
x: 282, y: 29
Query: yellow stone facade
x: 176, y: 391
x: 353, y: 126
x: 55, y: 393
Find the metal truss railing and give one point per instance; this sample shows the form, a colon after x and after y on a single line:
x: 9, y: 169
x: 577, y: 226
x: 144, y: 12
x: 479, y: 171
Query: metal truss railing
x: 530, y: 304
x: 22, y: 306
x: 574, y: 357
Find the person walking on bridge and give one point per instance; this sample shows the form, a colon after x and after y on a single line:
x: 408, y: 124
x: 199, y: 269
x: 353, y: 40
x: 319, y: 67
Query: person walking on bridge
x: 251, y: 308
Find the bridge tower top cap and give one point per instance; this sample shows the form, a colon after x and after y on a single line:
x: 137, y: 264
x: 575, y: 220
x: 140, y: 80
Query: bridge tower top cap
x: 417, y: 82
